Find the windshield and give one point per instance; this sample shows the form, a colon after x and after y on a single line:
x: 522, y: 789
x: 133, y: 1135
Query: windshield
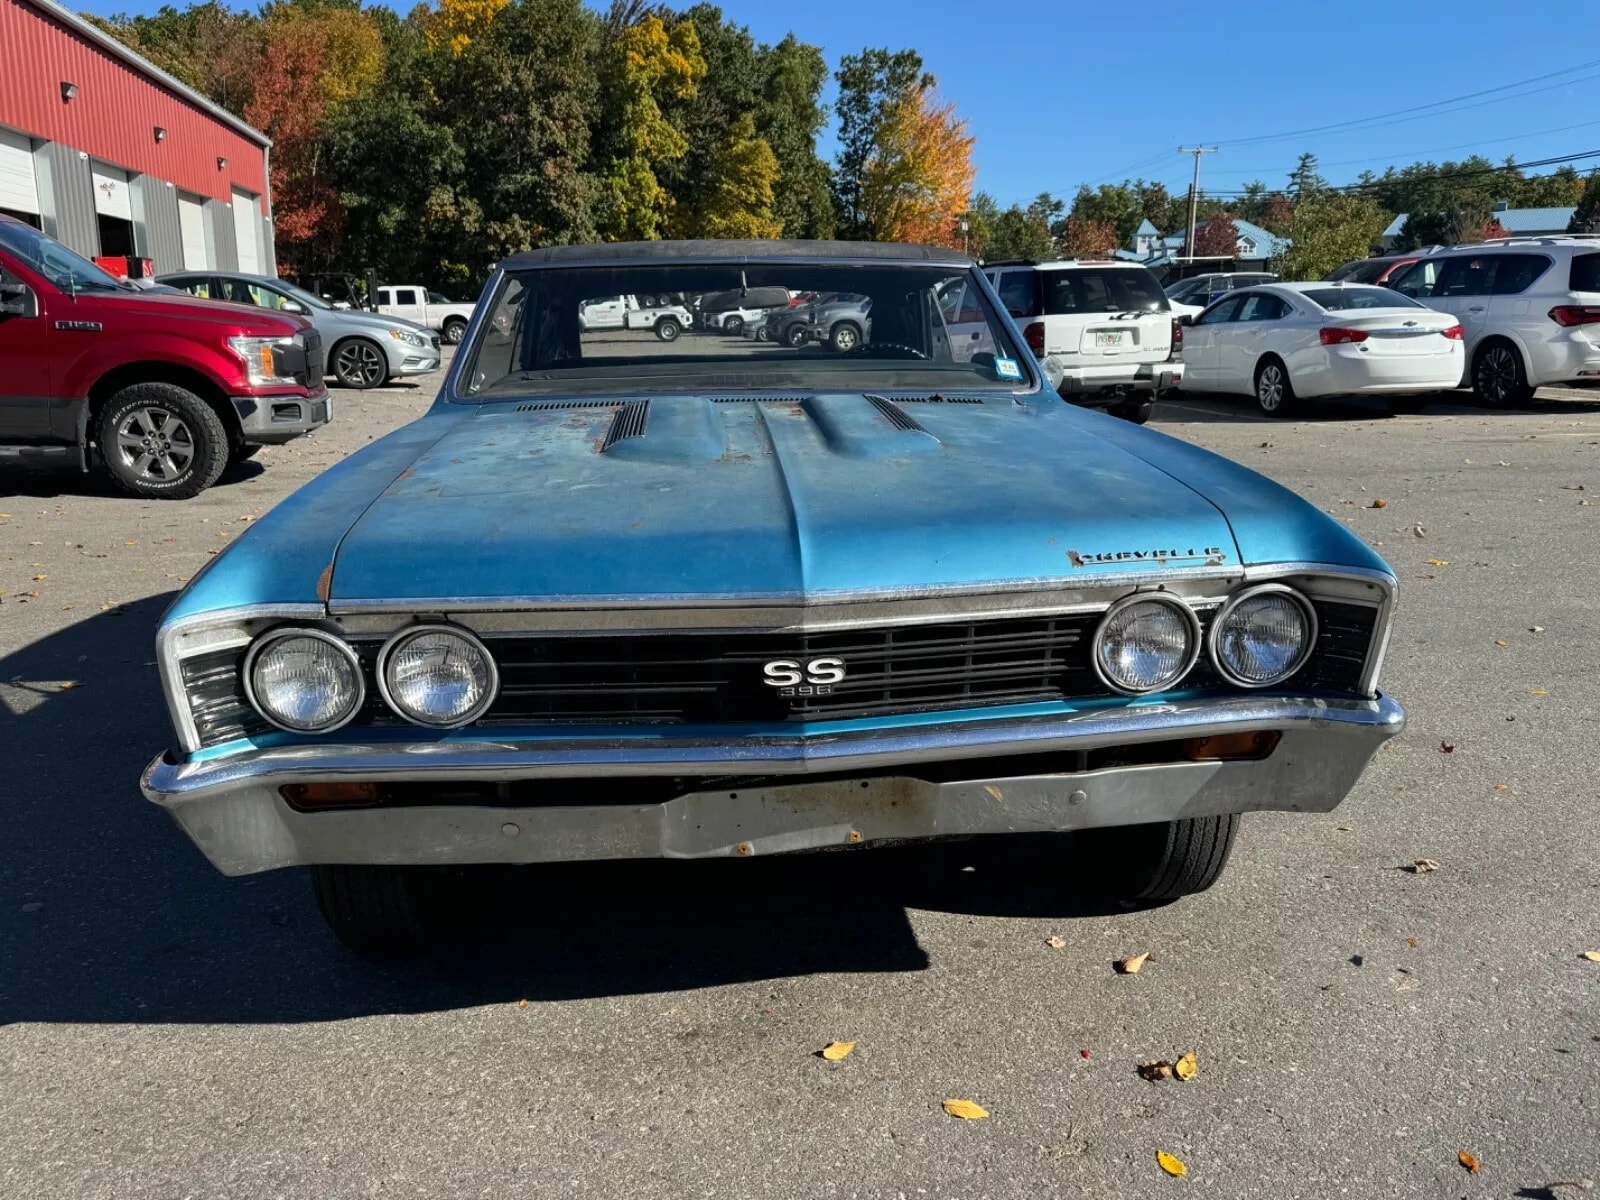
x: 54, y: 261
x: 1363, y: 271
x: 305, y: 297
x: 1342, y: 299
x: 609, y: 329
x: 1189, y: 287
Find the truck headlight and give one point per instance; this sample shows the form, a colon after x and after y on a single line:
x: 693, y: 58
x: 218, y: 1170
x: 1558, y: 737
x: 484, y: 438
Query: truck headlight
x: 304, y: 680
x: 1146, y: 643
x: 1263, y: 635
x: 262, y: 359
x: 438, y: 675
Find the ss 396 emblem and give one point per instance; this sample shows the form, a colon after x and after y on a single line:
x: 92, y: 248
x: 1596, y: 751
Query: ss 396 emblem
x: 794, y: 678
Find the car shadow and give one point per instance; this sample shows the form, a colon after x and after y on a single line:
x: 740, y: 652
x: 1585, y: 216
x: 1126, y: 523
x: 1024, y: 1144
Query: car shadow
x: 50, y: 481
x: 1207, y: 408
x: 107, y: 914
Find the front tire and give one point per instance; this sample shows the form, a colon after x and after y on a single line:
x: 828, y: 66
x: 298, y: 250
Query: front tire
x: 455, y: 329
x: 1274, y: 393
x: 377, y: 911
x: 796, y: 336
x: 1156, y: 864
x: 733, y: 326
x: 1136, y: 411
x: 1498, y: 376
x: 359, y: 364
x: 158, y: 440
x: 668, y: 329
x: 844, y: 337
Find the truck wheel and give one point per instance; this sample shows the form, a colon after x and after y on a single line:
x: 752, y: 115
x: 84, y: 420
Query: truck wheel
x: 1137, y: 411
x: 378, y: 911
x: 844, y: 337
x: 733, y: 326
x: 359, y: 364
x: 454, y: 330
x: 162, y: 441
x: 796, y: 336
x: 1161, y: 862
x: 668, y: 329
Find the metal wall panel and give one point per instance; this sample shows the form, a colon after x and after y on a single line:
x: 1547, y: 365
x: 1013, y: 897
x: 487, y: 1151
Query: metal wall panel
x: 72, y: 193
x: 220, y: 222
x: 163, y: 240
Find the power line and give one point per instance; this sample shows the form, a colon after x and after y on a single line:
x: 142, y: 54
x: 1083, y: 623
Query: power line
x: 1417, y: 154
x: 1463, y: 173
x: 1194, y: 190
x: 1421, y: 109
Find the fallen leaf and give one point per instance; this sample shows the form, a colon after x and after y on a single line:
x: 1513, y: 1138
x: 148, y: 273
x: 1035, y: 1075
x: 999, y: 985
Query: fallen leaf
x: 1592, y: 955
x: 522, y: 1004
x: 40, y: 578
x: 1500, y: 787
x: 1468, y: 1160
x: 1056, y: 943
x: 1132, y: 965
x: 1157, y: 1070
x: 967, y: 1110
x: 1424, y: 865
x: 1535, y: 628
x: 1187, y: 1067
x: 1343, y: 828
x: 1499, y: 642
x: 1419, y: 531
x: 1438, y: 562
x: 1412, y: 942
x: 1380, y: 502
x: 1085, y: 1054
x: 1171, y: 1165
x: 1447, y: 747
x: 1538, y: 692
x: 834, y: 1051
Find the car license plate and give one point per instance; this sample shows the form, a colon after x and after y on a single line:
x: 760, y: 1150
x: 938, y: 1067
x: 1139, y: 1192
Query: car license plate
x: 1115, y: 338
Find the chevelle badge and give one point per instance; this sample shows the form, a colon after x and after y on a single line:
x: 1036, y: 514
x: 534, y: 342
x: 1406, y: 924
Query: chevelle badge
x: 1210, y: 555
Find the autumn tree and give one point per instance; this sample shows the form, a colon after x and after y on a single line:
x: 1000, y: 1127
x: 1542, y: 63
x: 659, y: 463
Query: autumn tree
x: 1586, y: 217
x: 735, y: 197
x: 209, y: 47
x: 918, y: 180
x: 872, y: 85
x: 1085, y: 238
x: 644, y: 65
x: 1217, y: 237
x: 1330, y: 229
x: 456, y: 22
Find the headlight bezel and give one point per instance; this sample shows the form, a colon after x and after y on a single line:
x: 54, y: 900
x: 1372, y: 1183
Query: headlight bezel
x: 1308, y: 612
x: 409, y: 337
x: 266, y: 640
x: 258, y: 354
x: 400, y: 637
x: 1167, y: 599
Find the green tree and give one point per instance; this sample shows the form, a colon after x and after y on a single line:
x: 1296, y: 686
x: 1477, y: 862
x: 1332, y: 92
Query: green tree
x: 790, y: 116
x: 1330, y: 229
x: 1304, y: 180
x: 981, y: 216
x: 1586, y: 218
x: 209, y: 47
x: 735, y: 197
x: 870, y: 85
x: 1019, y: 233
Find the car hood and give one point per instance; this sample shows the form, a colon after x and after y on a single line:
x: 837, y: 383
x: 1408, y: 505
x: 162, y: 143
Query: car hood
x: 833, y: 494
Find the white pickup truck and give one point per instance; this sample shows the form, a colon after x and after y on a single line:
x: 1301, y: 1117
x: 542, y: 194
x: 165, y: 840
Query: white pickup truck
x: 417, y: 303
x: 666, y: 320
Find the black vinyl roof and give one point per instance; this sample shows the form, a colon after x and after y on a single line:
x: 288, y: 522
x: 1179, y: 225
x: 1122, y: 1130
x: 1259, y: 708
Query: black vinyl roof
x: 614, y: 253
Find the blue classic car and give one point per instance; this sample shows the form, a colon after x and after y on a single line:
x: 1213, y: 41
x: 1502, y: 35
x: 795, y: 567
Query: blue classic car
x: 617, y: 598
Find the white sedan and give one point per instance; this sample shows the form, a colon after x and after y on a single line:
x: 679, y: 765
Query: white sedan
x: 1285, y: 341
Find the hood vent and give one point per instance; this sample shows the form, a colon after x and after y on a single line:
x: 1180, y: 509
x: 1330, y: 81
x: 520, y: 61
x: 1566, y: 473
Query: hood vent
x: 937, y: 398
x: 899, y: 419
x: 559, y: 405
x: 627, y: 422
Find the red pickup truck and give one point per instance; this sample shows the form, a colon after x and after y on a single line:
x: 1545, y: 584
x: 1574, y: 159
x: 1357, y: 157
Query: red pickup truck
x: 158, y: 390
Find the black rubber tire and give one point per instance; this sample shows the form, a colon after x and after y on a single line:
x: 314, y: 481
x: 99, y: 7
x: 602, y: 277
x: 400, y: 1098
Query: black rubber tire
x: 796, y: 335
x: 206, y: 435
x: 345, y: 372
x: 1271, y: 367
x: 668, y: 329
x: 733, y: 326
x: 377, y: 911
x: 1155, y: 864
x: 845, y: 336
x: 454, y: 331
x: 1136, y: 411
x: 1499, y: 377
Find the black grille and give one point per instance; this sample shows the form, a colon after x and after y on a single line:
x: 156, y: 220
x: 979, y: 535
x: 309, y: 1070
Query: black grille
x: 315, y: 366
x: 717, y: 678
x: 627, y: 422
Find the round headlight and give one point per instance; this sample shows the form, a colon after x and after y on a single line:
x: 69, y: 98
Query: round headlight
x: 438, y: 676
x: 1263, y: 636
x: 1146, y: 643
x: 304, y: 680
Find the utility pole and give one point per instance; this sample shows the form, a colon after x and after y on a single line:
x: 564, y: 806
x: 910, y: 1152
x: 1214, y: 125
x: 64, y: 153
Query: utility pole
x: 1194, y: 192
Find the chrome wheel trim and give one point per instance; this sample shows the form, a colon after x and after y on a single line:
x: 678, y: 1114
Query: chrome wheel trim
x: 155, y: 444
x: 844, y: 339
x: 454, y: 332
x: 359, y: 364
x: 1269, y: 388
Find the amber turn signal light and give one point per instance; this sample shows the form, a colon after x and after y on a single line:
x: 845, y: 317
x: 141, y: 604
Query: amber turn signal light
x: 1231, y: 747
x: 330, y: 795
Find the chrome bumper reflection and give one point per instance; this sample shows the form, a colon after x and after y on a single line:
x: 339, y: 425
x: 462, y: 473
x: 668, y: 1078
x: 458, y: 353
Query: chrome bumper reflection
x: 233, y: 811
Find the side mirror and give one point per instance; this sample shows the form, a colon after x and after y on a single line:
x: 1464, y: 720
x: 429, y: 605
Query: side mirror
x: 17, y: 299
x: 294, y: 306
x: 1186, y: 319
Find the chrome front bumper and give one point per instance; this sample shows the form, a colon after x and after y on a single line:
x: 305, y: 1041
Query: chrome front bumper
x: 233, y: 810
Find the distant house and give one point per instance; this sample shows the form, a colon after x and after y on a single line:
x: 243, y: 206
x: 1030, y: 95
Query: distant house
x: 1256, y: 247
x: 1518, y: 222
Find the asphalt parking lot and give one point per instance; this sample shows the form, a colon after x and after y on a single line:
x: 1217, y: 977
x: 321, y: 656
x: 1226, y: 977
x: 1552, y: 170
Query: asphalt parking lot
x: 166, y: 1032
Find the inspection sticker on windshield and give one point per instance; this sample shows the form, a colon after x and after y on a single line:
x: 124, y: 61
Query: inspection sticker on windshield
x: 1006, y: 368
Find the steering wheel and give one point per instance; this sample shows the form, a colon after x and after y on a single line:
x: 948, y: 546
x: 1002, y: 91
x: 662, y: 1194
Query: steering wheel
x: 867, y: 347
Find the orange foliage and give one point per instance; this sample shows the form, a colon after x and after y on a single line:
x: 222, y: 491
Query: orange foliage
x: 918, y: 182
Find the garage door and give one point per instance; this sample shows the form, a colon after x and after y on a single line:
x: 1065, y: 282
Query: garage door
x: 19, y: 190
x: 192, y: 225
x: 111, y: 197
x: 247, y: 231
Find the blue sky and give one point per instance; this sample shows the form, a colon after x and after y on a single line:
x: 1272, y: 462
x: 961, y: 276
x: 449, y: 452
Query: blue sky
x: 1073, y: 92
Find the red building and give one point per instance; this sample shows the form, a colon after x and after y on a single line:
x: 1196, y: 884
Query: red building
x: 112, y: 156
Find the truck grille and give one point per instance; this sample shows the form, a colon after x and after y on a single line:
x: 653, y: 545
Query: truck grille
x: 316, y: 366
x: 718, y: 678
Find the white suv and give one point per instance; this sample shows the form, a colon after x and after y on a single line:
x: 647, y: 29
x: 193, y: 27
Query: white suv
x: 1101, y: 329
x: 1530, y: 309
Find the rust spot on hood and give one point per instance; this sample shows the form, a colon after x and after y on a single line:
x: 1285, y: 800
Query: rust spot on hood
x: 1076, y: 559
x: 325, y: 583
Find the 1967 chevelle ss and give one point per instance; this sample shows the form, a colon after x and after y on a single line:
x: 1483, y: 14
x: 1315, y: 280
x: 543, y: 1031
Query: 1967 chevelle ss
x: 613, y: 598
